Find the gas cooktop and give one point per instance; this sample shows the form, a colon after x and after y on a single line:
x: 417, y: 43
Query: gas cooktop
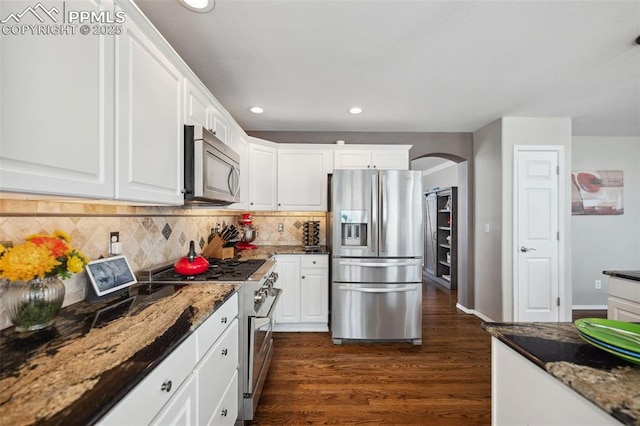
x: 219, y: 270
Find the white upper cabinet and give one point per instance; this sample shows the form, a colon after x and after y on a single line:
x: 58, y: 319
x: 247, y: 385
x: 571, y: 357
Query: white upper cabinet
x: 263, y: 166
x: 57, y: 126
x: 302, y: 178
x: 372, y: 157
x: 197, y: 107
x: 150, y: 115
x: 200, y: 110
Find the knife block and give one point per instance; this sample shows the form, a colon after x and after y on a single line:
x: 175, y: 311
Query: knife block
x: 216, y: 250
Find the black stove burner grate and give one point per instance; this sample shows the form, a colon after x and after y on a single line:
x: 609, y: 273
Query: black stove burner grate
x: 219, y: 270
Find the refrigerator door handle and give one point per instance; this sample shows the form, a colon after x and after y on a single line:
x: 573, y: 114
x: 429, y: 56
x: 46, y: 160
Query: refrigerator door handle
x: 379, y: 290
x: 373, y: 226
x: 379, y: 264
x: 383, y: 213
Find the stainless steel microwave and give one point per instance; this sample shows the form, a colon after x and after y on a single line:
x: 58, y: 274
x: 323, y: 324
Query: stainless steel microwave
x: 211, y: 169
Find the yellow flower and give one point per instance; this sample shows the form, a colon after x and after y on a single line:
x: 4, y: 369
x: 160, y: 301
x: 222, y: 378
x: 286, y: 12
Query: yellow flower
x: 75, y: 264
x: 62, y: 235
x: 41, y: 255
x: 26, y: 261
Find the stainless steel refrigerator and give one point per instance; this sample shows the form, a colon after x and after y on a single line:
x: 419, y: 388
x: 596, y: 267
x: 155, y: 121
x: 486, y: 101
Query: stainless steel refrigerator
x: 376, y: 240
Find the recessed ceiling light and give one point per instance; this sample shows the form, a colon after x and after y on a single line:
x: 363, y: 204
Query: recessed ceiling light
x: 355, y: 110
x: 198, y: 5
x: 256, y: 110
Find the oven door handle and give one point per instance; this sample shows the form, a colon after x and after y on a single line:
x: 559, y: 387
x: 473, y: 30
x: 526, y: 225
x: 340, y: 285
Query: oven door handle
x: 278, y: 292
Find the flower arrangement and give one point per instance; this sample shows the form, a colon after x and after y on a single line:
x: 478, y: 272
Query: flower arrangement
x: 41, y: 256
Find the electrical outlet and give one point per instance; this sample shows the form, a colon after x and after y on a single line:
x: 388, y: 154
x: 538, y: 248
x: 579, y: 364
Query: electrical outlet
x: 280, y: 227
x: 598, y: 284
x: 114, y: 237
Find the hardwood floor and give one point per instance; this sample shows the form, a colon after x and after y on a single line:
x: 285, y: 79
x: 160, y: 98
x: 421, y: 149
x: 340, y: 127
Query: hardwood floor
x: 446, y: 381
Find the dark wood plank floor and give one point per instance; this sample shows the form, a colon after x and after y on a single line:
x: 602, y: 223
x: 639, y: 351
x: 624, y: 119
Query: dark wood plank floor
x: 445, y: 381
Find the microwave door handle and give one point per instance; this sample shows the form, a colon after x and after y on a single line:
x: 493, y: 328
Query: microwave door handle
x: 236, y: 172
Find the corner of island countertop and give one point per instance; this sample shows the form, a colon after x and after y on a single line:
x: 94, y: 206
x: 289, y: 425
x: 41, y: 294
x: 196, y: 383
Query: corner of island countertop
x: 604, y: 379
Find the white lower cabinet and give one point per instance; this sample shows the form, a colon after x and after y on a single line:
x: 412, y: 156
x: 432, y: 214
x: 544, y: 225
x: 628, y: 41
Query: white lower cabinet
x: 304, y: 303
x: 196, y: 384
x: 624, y: 300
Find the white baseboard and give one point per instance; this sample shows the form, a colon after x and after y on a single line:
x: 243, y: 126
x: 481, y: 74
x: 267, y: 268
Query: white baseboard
x: 482, y: 316
x: 474, y: 312
x: 463, y: 309
x: 588, y: 307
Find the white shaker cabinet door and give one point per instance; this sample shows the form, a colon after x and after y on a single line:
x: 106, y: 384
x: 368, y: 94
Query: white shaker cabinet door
x: 150, y: 121
x: 263, y: 161
x: 56, y: 109
x: 302, y: 178
x: 390, y: 159
x: 288, y: 307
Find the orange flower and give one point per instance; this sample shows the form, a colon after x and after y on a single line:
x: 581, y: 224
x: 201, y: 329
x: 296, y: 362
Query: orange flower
x: 57, y: 247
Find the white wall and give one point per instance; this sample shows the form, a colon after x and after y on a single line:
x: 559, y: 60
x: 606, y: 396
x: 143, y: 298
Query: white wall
x: 444, y: 176
x: 605, y: 242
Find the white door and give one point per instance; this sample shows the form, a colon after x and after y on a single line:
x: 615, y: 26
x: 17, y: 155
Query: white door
x: 536, y: 227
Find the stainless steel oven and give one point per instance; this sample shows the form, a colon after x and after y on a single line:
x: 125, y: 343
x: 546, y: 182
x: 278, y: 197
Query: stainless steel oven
x: 258, y: 305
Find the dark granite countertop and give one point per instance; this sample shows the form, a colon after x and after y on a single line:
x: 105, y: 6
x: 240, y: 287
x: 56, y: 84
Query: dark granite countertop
x: 265, y: 252
x: 95, y: 353
x: 629, y: 275
x: 611, y: 383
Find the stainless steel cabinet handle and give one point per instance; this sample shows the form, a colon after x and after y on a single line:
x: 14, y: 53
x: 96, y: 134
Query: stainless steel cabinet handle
x: 526, y: 249
x: 223, y: 320
x: 166, y: 386
x: 224, y: 413
x: 225, y: 352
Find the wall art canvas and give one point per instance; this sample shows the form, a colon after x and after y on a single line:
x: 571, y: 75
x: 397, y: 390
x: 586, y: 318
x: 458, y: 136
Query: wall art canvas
x: 597, y: 192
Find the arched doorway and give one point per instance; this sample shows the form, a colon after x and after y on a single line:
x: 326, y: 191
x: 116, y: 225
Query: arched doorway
x: 465, y: 244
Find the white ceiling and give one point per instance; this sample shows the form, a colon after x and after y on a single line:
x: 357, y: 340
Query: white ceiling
x: 413, y: 66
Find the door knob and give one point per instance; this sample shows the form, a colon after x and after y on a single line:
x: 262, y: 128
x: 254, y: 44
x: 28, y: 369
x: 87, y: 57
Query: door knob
x: 526, y: 249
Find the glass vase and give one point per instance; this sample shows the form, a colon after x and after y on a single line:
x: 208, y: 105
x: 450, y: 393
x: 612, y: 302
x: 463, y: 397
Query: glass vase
x: 33, y: 305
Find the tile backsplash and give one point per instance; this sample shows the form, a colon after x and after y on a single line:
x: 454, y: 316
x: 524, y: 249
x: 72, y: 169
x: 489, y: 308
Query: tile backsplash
x: 149, y: 235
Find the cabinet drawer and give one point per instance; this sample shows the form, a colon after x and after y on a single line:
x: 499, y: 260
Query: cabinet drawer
x: 213, y: 327
x: 215, y: 370
x: 314, y: 261
x: 142, y: 404
x: 226, y: 411
x: 623, y: 310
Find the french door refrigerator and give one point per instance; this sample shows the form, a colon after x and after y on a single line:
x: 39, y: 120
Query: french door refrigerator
x: 376, y: 240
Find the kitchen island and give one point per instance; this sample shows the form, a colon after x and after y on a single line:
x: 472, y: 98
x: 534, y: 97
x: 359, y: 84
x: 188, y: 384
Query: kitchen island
x: 623, y: 303
x: 96, y: 353
x: 545, y: 373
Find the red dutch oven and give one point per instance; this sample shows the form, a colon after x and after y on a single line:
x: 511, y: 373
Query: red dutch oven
x: 192, y: 264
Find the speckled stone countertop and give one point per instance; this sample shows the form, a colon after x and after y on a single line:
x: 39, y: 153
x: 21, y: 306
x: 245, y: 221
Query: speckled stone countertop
x: 629, y: 275
x: 265, y: 252
x: 95, y: 353
x: 611, y: 383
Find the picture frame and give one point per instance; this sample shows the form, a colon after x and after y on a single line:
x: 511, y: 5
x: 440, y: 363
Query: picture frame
x: 110, y: 274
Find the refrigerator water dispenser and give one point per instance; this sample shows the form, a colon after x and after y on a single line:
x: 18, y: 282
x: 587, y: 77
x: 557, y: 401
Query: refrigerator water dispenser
x: 354, y: 228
